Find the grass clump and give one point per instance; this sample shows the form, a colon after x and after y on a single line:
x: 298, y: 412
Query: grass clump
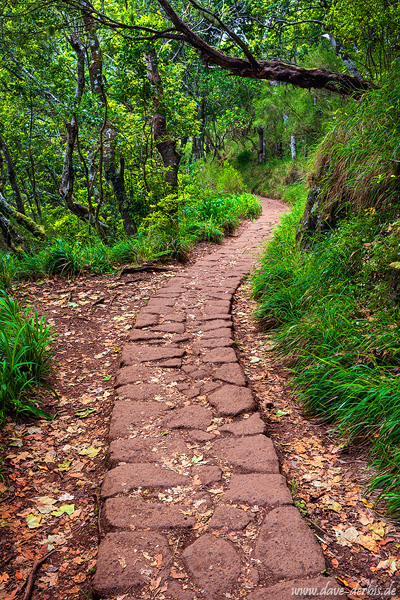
x: 334, y: 311
x: 24, y: 357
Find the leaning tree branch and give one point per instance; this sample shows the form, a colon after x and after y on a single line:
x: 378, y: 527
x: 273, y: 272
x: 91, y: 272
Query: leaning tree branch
x: 269, y: 70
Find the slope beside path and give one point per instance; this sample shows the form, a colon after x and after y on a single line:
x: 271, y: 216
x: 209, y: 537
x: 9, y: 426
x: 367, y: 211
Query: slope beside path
x: 194, y: 505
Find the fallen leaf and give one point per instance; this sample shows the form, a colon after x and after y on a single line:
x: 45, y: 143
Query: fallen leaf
x: 33, y: 521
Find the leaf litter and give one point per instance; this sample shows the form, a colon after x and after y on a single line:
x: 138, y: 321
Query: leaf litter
x: 361, y: 546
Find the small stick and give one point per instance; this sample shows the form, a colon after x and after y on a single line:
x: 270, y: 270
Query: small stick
x: 31, y: 579
x: 112, y: 299
x: 97, y: 302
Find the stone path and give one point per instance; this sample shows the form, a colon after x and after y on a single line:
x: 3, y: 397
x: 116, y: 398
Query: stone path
x: 194, y: 505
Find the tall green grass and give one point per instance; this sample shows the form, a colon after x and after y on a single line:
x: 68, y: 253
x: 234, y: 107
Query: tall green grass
x: 334, y: 312
x: 201, y: 219
x: 25, y: 356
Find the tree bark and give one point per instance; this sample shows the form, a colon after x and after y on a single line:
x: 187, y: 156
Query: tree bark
x: 12, y: 176
x: 265, y: 69
x: 261, y: 146
x: 116, y: 179
x: 68, y: 176
x: 6, y: 210
x: 165, y: 144
x: 293, y: 148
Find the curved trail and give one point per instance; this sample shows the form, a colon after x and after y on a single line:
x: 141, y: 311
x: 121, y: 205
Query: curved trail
x: 194, y: 505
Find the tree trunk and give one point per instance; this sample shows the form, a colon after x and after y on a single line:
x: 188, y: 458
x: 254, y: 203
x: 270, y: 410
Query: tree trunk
x: 67, y: 178
x: 293, y: 148
x: 264, y: 69
x: 11, y: 176
x: 165, y: 144
x: 116, y: 179
x: 261, y: 146
x: 6, y: 210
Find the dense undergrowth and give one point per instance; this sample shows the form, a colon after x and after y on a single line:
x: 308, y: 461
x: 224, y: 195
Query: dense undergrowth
x: 25, y: 355
x: 170, y: 231
x: 334, y: 308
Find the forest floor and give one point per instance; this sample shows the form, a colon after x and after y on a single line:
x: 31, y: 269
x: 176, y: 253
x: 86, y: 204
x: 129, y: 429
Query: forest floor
x: 52, y: 469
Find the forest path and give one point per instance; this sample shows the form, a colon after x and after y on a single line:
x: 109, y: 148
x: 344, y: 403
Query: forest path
x: 194, y: 505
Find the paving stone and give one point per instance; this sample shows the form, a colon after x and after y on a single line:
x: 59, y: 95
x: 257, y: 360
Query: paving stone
x: 132, y: 374
x: 216, y: 315
x: 146, y: 320
x: 207, y: 474
x: 215, y: 343
x: 231, y: 373
x: 125, y: 478
x: 260, y: 489
x: 193, y: 416
x: 128, y: 413
x: 128, y: 513
x: 286, y: 546
x: 222, y: 306
x: 215, y: 324
x: 176, y: 317
x: 159, y: 304
x: 251, y: 454
x: 137, y: 335
x: 170, y: 328
x: 178, y: 339
x: 254, y: 425
x: 209, y: 386
x: 146, y: 449
x: 175, y: 591
x: 220, y: 333
x: 215, y: 565
x: 132, y: 354
x: 230, y: 518
x: 201, y: 373
x: 200, y: 436
x: 171, y: 363
x: 231, y: 400
x: 320, y: 587
x: 220, y: 355
x: 193, y: 392
x: 141, y: 391
x: 122, y: 566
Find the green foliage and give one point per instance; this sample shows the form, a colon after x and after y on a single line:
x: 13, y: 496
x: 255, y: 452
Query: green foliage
x: 356, y: 165
x: 24, y: 357
x: 334, y: 310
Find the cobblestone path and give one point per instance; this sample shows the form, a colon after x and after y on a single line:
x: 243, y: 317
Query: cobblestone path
x: 194, y: 505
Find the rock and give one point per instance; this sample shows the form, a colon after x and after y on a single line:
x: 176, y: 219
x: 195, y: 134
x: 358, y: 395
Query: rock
x: 128, y: 513
x: 201, y: 436
x: 122, y: 566
x: 231, y: 400
x: 193, y: 416
x: 258, y: 489
x: 146, y: 319
x: 250, y: 454
x: 207, y: 474
x: 140, y: 392
x: 230, y: 518
x: 132, y: 354
x: 131, y: 374
x: 307, y: 589
x: 221, y: 333
x: 286, y: 546
x: 254, y: 425
x: 220, y: 342
x: 127, y: 414
x: 216, y: 324
x: 231, y: 373
x: 136, y: 335
x: 147, y: 449
x: 215, y: 565
x: 170, y: 328
x: 126, y: 478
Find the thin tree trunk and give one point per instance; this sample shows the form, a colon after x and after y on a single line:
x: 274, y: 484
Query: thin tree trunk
x: 165, y: 144
x: 293, y: 148
x: 261, y: 146
x: 12, y: 176
x: 6, y: 210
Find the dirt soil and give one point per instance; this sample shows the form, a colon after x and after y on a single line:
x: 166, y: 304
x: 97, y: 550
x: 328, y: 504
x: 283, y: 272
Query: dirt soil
x: 52, y: 470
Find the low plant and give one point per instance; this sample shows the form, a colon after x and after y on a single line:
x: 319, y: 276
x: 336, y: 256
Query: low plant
x: 25, y: 356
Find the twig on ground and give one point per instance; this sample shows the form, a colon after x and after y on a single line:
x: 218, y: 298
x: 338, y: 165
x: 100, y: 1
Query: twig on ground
x: 31, y: 579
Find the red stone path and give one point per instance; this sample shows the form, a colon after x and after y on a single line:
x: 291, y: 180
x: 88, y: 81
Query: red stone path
x: 194, y: 504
